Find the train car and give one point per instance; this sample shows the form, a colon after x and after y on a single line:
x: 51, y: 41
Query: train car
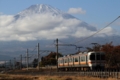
x: 82, y: 61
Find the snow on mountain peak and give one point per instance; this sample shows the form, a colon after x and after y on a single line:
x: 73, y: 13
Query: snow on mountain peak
x: 42, y: 9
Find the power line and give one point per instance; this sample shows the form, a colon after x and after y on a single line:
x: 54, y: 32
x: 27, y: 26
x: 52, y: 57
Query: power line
x: 62, y: 41
x: 33, y: 50
x: 97, y: 31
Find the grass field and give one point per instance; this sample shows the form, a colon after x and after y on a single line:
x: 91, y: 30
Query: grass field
x: 46, y: 77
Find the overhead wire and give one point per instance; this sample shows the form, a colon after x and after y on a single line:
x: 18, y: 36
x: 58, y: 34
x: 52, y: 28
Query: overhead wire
x: 96, y: 32
x: 92, y: 34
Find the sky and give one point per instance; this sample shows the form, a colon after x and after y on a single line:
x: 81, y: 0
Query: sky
x: 96, y: 13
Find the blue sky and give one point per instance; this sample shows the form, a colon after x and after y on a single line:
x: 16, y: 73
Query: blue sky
x: 98, y: 12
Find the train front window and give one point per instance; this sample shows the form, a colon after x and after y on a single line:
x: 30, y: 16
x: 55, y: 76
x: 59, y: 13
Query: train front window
x: 92, y: 56
x: 102, y: 57
x: 98, y: 56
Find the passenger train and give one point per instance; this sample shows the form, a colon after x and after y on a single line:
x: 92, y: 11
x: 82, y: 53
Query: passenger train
x: 82, y: 61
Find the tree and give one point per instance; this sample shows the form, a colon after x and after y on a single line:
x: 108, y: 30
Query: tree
x: 35, y: 63
x: 96, y: 47
x: 50, y: 59
x: 112, y: 55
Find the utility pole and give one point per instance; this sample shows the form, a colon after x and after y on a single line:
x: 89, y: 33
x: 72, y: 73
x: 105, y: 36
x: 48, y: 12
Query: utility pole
x: 21, y: 61
x: 5, y: 66
x: 38, y: 57
x: 27, y: 59
x: 14, y: 63
x: 79, y: 48
x: 95, y: 46
x: 57, y: 53
x: 10, y: 65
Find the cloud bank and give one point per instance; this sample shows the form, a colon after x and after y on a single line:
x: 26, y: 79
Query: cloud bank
x: 44, y: 26
x: 44, y: 22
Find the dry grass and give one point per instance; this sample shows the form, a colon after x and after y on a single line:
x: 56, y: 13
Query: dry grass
x: 47, y: 77
x: 71, y: 78
x: 15, y: 77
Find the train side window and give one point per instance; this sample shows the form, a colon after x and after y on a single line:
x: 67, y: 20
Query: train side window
x: 70, y: 59
x: 82, y: 58
x: 66, y: 60
x: 92, y: 57
x: 58, y: 61
x: 79, y: 58
x: 76, y: 59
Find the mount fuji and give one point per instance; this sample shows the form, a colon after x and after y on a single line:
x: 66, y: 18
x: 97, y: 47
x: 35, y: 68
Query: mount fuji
x: 43, y: 9
x: 44, y: 22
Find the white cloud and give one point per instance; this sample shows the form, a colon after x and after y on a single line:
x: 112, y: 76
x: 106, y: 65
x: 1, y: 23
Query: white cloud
x: 83, y: 32
x: 76, y: 11
x: 5, y: 20
x: 43, y: 26
x: 106, y: 31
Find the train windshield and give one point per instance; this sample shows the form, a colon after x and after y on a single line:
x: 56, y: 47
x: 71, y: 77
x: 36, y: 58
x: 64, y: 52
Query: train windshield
x: 103, y: 57
x: 92, y: 56
x: 97, y: 56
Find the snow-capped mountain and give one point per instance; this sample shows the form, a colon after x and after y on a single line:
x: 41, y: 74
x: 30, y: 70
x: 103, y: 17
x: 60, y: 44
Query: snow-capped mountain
x: 42, y: 9
x: 47, y: 9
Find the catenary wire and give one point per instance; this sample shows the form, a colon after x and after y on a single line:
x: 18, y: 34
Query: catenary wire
x: 96, y: 32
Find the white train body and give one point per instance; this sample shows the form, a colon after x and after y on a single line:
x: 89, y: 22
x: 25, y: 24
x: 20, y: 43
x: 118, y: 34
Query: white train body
x: 82, y: 61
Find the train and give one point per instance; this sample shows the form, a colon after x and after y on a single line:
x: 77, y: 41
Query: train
x: 84, y: 61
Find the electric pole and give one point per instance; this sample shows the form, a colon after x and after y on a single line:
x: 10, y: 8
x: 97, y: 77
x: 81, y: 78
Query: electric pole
x: 10, y: 65
x: 38, y: 57
x: 5, y: 66
x: 14, y: 63
x: 95, y: 46
x: 79, y: 48
x: 20, y: 61
x: 27, y: 59
x: 57, y: 53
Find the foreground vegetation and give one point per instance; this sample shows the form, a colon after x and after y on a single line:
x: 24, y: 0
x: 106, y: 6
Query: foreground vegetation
x: 41, y: 77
